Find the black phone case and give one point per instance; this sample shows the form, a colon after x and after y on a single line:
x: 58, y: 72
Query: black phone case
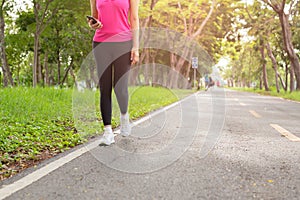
x: 94, y: 21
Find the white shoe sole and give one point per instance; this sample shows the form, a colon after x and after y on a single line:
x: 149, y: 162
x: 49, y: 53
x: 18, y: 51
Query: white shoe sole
x: 118, y: 132
x: 106, y: 144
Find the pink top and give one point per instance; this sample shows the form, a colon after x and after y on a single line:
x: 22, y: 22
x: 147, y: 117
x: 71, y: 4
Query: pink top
x: 113, y: 14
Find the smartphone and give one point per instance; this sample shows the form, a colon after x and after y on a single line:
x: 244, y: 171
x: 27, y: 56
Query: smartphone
x: 94, y: 21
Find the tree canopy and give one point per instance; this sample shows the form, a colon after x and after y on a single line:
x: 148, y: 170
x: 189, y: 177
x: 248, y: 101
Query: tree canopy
x: 44, y: 42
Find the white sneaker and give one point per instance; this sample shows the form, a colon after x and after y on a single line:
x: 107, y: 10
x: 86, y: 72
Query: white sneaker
x: 125, y: 128
x: 108, y: 137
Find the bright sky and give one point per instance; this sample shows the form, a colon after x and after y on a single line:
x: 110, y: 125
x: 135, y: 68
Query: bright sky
x: 223, y: 62
x: 248, y: 1
x: 21, y: 5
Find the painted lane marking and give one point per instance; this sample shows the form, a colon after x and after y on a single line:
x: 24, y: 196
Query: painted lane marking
x: 242, y: 104
x: 8, y: 190
x: 285, y: 133
x: 255, y: 114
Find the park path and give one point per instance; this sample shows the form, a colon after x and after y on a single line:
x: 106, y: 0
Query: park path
x: 219, y: 144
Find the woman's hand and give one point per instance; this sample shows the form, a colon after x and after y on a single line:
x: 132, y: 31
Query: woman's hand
x: 95, y: 26
x: 135, y: 57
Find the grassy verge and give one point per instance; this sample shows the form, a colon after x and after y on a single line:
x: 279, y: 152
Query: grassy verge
x: 286, y: 95
x: 36, y: 124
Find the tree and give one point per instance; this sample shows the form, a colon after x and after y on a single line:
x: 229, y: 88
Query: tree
x: 7, y: 76
x: 43, y: 14
x: 265, y: 34
x: 187, y: 18
x: 279, y: 8
x: 58, y: 44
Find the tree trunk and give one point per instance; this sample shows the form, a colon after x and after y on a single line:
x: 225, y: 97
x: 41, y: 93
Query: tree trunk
x: 7, y: 76
x: 187, y: 74
x: 35, y: 59
x: 287, y: 38
x: 73, y: 76
x: 146, y: 68
x: 58, y: 67
x: 47, y: 80
x: 274, y: 63
x: 264, y: 68
x: 153, y: 55
x: 173, y: 60
x: 292, y: 79
x: 282, y: 83
x: 286, y: 76
x: 66, y: 74
x: 40, y: 71
x: 260, y: 82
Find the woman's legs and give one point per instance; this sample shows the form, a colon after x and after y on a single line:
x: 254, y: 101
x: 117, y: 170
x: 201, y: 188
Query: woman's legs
x: 103, y: 60
x: 121, y: 75
x: 113, y: 65
x: 105, y: 95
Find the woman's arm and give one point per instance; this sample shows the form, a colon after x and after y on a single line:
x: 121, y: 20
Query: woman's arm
x: 94, y: 13
x: 134, y: 23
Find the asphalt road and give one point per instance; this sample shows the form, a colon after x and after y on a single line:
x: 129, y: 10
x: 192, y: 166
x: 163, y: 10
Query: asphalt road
x: 213, y: 145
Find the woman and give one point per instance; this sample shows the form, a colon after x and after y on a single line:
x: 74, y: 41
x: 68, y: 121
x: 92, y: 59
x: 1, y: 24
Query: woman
x: 115, y: 48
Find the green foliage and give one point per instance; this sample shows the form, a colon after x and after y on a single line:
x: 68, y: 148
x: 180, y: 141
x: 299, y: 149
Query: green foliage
x: 33, y: 121
x: 24, y: 20
x: 67, y: 36
x: 63, y: 29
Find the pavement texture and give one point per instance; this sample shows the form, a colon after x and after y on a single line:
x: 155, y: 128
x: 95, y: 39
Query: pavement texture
x: 217, y: 144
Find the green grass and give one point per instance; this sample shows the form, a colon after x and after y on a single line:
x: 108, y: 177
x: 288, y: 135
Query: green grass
x: 34, y: 121
x: 39, y: 123
x: 295, y: 95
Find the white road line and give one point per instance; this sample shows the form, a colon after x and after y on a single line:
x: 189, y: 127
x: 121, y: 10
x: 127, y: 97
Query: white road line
x: 255, y: 114
x: 285, y: 133
x: 242, y: 104
x: 7, y: 190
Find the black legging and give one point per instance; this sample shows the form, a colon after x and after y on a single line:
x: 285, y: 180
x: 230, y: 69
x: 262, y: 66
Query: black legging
x: 113, y: 65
